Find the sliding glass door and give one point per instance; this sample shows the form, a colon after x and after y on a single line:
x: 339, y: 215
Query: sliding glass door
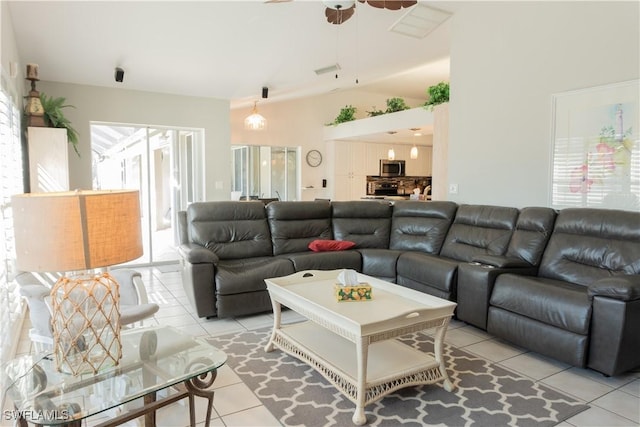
x: 265, y: 172
x: 163, y: 164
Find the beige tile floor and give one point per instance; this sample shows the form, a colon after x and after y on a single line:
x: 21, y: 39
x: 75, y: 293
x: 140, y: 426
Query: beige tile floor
x: 613, y: 401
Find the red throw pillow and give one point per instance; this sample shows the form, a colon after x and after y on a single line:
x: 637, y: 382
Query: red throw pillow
x: 330, y: 245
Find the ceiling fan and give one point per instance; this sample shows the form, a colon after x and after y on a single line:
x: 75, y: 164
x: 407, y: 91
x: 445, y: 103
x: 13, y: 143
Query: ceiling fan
x: 338, y: 11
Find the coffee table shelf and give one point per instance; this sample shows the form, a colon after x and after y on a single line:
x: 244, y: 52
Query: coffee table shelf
x: 352, y: 344
x: 323, y: 347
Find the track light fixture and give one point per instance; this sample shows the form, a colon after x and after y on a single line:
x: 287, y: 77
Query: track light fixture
x: 119, y: 75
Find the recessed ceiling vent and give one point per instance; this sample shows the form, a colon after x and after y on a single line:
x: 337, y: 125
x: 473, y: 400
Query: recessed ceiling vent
x: 329, y: 69
x: 419, y: 21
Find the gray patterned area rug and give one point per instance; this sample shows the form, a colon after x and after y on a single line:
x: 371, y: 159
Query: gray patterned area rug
x: 484, y: 395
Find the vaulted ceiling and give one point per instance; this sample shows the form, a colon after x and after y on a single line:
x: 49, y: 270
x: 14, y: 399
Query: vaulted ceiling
x: 231, y: 49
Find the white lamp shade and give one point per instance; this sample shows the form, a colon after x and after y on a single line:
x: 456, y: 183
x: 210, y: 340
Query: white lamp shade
x: 76, y: 230
x: 391, y: 155
x: 414, y: 152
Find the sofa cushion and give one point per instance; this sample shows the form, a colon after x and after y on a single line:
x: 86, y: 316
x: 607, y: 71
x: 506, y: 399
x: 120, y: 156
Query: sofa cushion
x: 325, y: 260
x: 561, y: 344
x: 294, y: 225
x: 556, y: 303
x: 367, y: 223
x: 420, y: 226
x: 230, y: 229
x: 247, y: 275
x: 532, y: 233
x: 330, y: 245
x: 428, y: 273
x: 478, y: 230
x: 591, y: 244
x: 380, y: 263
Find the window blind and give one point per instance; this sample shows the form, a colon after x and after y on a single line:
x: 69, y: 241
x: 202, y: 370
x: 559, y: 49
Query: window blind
x: 585, y: 176
x: 10, y: 183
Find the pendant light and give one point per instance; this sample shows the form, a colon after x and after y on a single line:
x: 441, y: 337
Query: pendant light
x: 391, y: 154
x: 413, y: 154
x: 255, y: 121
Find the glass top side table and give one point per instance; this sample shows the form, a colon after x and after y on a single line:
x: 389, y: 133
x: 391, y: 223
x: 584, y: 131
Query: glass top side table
x: 153, y: 358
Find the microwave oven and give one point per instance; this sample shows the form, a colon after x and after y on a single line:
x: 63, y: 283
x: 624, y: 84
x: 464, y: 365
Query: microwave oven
x: 391, y: 168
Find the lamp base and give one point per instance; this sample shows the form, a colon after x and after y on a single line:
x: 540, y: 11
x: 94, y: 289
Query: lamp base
x: 86, y: 323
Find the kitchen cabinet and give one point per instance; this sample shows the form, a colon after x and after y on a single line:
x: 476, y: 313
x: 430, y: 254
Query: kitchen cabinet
x: 420, y: 166
x: 349, y: 170
x: 375, y: 152
x: 351, y: 162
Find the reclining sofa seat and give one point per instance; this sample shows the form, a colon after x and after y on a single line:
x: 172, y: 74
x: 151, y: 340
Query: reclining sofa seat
x: 476, y: 230
x: 583, y: 307
x: 294, y: 225
x: 368, y: 225
x: 415, y: 226
x: 226, y: 256
x: 476, y: 279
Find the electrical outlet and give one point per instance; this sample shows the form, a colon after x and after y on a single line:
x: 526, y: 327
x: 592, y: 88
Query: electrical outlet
x: 453, y: 188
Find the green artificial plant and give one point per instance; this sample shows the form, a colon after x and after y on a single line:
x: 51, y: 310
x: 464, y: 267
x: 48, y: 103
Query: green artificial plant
x: 375, y: 112
x: 347, y: 114
x: 396, y: 104
x: 54, y: 117
x: 438, y: 94
x: 393, y: 105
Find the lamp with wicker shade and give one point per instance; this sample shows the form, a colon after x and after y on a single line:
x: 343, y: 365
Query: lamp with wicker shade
x: 78, y: 232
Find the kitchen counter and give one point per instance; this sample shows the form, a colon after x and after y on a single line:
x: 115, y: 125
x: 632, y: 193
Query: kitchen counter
x: 384, y: 197
x: 407, y: 197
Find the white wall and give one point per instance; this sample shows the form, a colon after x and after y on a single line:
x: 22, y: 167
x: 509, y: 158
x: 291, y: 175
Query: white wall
x: 507, y: 59
x: 144, y: 108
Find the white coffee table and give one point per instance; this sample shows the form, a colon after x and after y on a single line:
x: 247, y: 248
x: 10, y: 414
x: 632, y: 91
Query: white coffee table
x: 352, y: 343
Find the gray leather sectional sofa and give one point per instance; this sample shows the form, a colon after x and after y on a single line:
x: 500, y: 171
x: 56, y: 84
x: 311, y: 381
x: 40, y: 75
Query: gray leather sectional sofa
x: 565, y: 284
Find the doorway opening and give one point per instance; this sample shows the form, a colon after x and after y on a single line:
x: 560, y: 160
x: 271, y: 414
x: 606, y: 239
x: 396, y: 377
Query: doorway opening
x: 164, y: 164
x: 265, y: 172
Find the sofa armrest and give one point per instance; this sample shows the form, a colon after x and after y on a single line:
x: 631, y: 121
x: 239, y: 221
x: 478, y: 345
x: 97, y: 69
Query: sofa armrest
x: 501, y: 261
x: 476, y: 281
x: 614, y: 338
x: 196, y: 254
x: 623, y: 288
x: 198, y: 277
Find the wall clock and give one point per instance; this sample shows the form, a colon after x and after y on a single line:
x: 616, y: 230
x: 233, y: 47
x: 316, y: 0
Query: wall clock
x: 314, y: 158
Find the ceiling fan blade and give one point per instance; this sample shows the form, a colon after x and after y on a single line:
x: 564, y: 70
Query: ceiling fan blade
x: 390, y: 4
x: 338, y: 16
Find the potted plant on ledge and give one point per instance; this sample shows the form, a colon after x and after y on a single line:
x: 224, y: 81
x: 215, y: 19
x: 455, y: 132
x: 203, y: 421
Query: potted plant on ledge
x: 393, y: 105
x: 347, y: 114
x: 54, y: 117
x: 438, y: 94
